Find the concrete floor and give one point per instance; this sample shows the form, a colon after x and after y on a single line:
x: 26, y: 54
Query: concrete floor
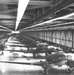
x: 19, y: 69
x: 10, y: 69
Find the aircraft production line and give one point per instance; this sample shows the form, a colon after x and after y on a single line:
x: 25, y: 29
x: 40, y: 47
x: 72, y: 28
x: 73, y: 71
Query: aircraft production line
x: 36, y: 37
x: 25, y: 59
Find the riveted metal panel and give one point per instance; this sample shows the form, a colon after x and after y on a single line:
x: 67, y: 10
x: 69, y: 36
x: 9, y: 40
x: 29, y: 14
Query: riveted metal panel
x: 69, y: 38
x: 60, y: 37
x: 73, y: 35
x: 57, y: 34
x: 62, y: 42
x: 58, y: 41
x: 42, y: 35
x: 50, y: 39
x: 53, y: 35
x: 39, y: 34
x: 73, y: 44
x: 50, y: 36
x: 69, y: 35
x: 57, y: 37
x: 36, y: 34
x: 54, y: 40
x: 73, y: 39
x: 47, y: 36
x: 50, y: 33
x: 63, y: 35
x: 69, y: 43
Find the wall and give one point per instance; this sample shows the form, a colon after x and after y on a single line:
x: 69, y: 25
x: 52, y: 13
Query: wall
x: 62, y: 37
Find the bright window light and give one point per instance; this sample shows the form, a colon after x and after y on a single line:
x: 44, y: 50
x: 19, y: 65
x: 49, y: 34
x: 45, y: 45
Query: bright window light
x: 22, y: 4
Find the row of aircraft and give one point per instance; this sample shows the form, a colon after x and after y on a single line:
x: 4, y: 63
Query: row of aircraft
x: 55, y: 58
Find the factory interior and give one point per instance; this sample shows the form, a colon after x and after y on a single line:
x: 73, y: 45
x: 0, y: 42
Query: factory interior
x: 36, y: 37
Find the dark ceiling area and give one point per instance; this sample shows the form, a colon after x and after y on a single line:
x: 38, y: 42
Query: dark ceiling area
x: 37, y: 11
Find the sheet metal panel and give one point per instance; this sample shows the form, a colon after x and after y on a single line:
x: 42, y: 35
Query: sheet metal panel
x: 63, y: 35
x: 69, y: 35
x: 69, y: 43
x: 58, y: 41
x: 53, y: 35
x: 47, y: 36
x: 63, y: 42
x: 57, y: 34
x: 69, y: 38
x: 54, y: 40
x: 44, y: 35
x: 50, y: 36
x: 59, y: 37
x: 62, y: 38
x: 73, y: 39
x: 41, y: 35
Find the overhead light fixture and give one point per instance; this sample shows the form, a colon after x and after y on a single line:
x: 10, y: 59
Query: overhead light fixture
x: 49, y: 21
x: 22, y: 4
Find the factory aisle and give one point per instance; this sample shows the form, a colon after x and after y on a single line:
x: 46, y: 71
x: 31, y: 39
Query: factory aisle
x: 19, y: 69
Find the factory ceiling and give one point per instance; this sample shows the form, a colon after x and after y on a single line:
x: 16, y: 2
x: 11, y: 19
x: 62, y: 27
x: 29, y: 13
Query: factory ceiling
x: 37, y: 11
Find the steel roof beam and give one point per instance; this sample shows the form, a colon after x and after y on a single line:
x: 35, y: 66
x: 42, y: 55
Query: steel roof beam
x: 32, y: 2
x: 55, y: 9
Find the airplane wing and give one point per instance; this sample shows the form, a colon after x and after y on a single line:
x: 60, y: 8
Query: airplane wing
x: 24, y: 51
x: 22, y: 63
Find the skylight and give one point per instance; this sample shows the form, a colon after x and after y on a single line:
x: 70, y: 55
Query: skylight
x: 22, y: 4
